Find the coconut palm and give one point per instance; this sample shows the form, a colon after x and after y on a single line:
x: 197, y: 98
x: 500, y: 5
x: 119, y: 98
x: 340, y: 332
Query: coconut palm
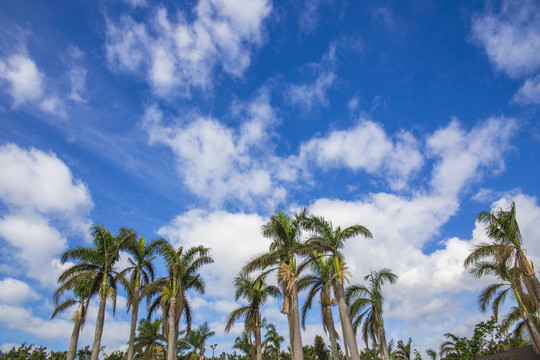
x: 366, y: 304
x: 81, y: 289
x: 272, y: 342
x: 182, y: 267
x: 149, y: 339
x: 432, y: 354
x: 403, y: 351
x: 326, y: 239
x: 320, y: 281
x: 285, y: 232
x: 256, y: 292
x: 244, y: 343
x: 506, y: 247
x: 195, y: 341
x: 449, y: 346
x: 97, y: 264
x: 140, y: 273
x: 509, y: 283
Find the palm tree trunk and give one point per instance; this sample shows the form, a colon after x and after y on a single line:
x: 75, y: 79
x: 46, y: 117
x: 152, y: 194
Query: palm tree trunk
x: 134, y: 315
x: 329, y: 323
x: 99, y: 327
x: 72, y: 349
x: 345, y: 346
x: 297, y: 347
x: 171, y: 343
x: 257, y: 334
x: 346, y: 322
x: 530, y: 275
x: 531, y: 326
x: 383, y: 343
x: 286, y: 309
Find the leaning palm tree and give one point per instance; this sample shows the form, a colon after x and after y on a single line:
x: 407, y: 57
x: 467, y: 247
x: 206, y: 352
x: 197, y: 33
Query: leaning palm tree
x: 149, y: 339
x: 81, y: 289
x: 195, y: 341
x: 182, y: 267
x: 506, y: 247
x: 509, y: 283
x: 320, y: 281
x: 366, y: 304
x: 285, y: 232
x: 140, y: 273
x: 97, y: 263
x: 256, y: 292
x: 272, y: 342
x: 326, y: 239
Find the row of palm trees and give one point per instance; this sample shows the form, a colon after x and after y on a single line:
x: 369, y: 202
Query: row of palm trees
x: 289, y: 257
x: 94, y: 273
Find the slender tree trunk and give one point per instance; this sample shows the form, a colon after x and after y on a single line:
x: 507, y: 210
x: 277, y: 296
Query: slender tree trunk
x: 383, y: 343
x: 171, y: 338
x: 531, y: 326
x: 530, y: 275
x: 345, y: 346
x: 72, y: 349
x: 286, y: 309
x: 134, y: 316
x: 257, y: 334
x: 297, y: 347
x: 329, y: 323
x: 346, y: 320
x: 99, y: 327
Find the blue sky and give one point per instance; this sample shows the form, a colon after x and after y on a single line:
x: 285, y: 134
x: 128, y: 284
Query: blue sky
x: 195, y: 120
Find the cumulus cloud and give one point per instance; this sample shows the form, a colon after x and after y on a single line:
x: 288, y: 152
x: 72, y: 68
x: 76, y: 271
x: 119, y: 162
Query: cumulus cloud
x: 13, y: 291
x: 529, y: 92
x: 178, y: 54
x: 510, y: 35
x: 24, y: 78
x: 219, y: 163
x: 43, y: 204
x: 367, y: 147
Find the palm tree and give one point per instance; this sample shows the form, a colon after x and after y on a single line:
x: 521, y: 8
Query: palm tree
x: 403, y: 351
x: 285, y: 232
x: 256, y: 292
x: 96, y: 263
x: 320, y: 282
x: 80, y: 288
x: 272, y: 342
x: 195, y: 341
x: 326, y: 239
x: 141, y: 273
x: 432, y: 354
x: 506, y: 247
x: 150, y: 339
x: 245, y: 344
x: 366, y: 304
x: 509, y: 283
x: 449, y: 346
x: 183, y: 275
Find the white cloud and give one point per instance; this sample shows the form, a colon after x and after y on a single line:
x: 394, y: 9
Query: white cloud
x: 529, y: 92
x: 510, y: 36
x: 24, y: 78
x: 13, y: 291
x: 178, y: 55
x: 366, y: 146
x: 219, y: 163
x: 43, y: 204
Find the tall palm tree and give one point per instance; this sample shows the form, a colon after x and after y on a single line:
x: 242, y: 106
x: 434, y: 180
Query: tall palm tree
x: 81, y: 289
x: 366, y: 303
x: 149, y: 339
x: 403, y: 351
x: 506, y: 247
x: 140, y: 273
x: 285, y: 232
x: 326, y: 239
x: 256, y: 292
x: 320, y: 281
x: 509, y: 283
x: 97, y: 262
x: 183, y: 275
x: 272, y: 342
x: 195, y: 341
